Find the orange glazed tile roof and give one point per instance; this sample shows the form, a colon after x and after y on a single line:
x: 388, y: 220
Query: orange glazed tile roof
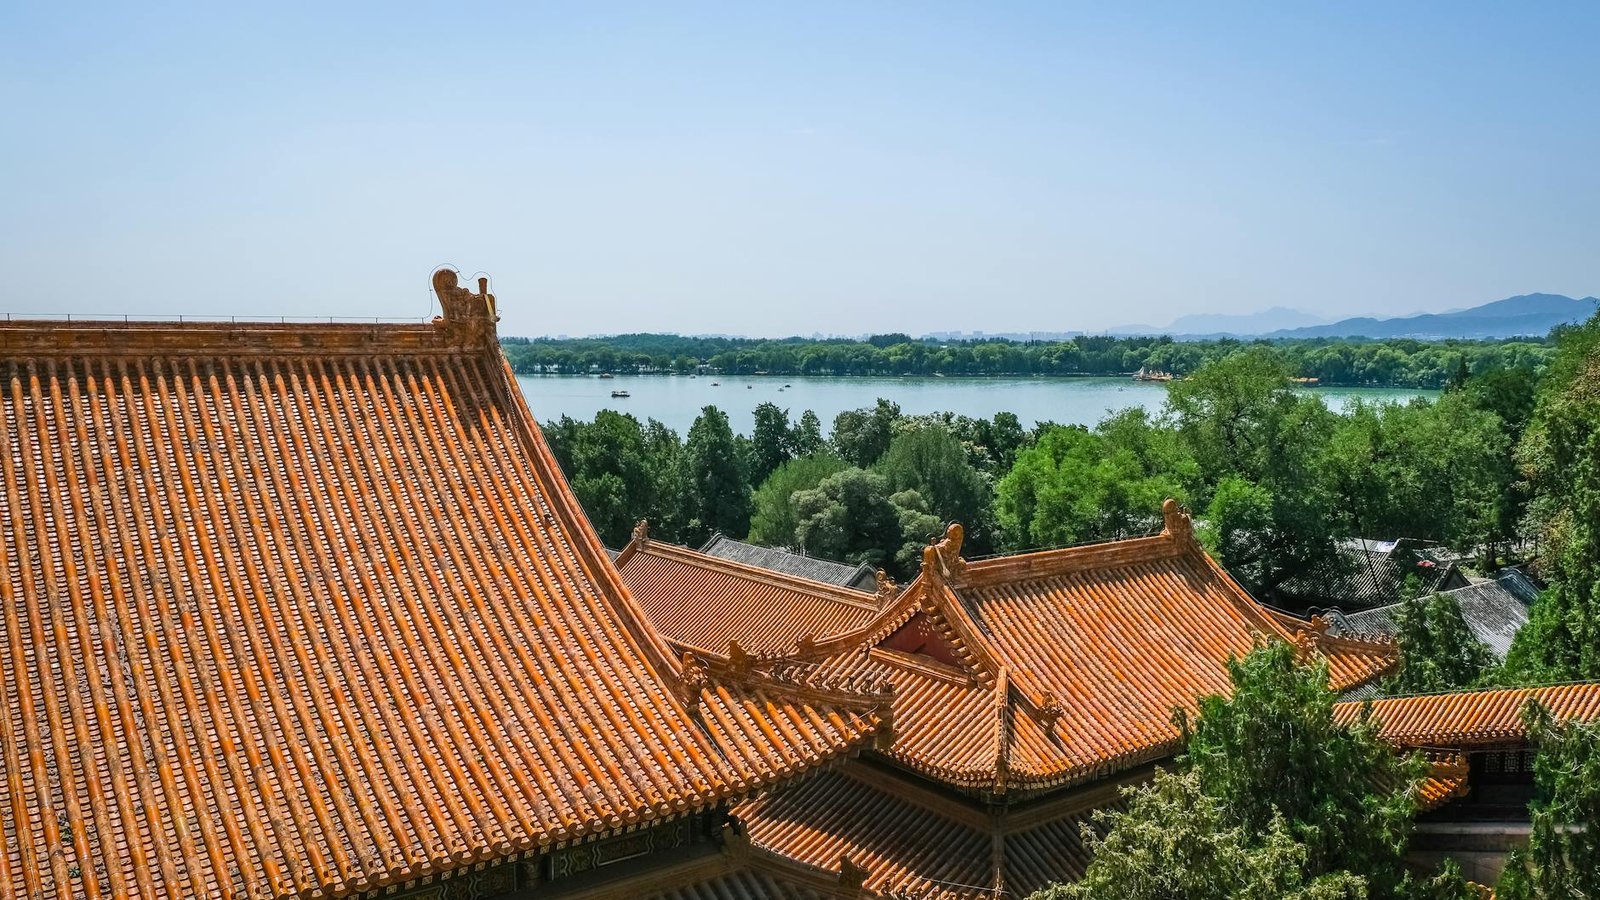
x: 1473, y: 718
x: 308, y: 610
x: 1042, y: 669
x: 913, y: 844
x: 703, y: 602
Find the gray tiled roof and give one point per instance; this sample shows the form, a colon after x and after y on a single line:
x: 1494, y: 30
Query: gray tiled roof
x: 1494, y: 610
x: 827, y: 571
x: 1374, y: 574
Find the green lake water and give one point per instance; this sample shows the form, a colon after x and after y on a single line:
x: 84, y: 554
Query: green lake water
x: 677, y: 400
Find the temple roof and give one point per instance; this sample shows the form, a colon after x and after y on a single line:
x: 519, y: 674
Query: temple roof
x: 1468, y: 719
x: 1493, y: 609
x: 1036, y: 670
x: 811, y: 568
x: 308, y: 610
x: 703, y: 602
x: 909, y: 841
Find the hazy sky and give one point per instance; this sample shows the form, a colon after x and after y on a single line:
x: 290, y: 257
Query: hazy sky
x: 843, y: 169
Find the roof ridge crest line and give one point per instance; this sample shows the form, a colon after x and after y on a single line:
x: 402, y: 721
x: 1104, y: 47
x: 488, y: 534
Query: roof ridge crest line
x: 868, y: 691
x: 613, y: 592
x: 890, y: 616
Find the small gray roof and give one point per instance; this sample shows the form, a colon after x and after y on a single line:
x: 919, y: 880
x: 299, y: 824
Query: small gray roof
x: 1375, y: 572
x: 861, y: 578
x: 1493, y: 609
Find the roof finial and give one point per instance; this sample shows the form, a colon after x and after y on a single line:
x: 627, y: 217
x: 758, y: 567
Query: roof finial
x: 460, y: 304
x: 641, y: 532
x: 851, y: 876
x: 1176, y: 522
x: 942, y: 559
x: 886, y: 585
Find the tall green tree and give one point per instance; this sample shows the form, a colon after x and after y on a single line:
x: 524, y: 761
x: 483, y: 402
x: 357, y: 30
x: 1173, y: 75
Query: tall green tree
x: 1438, y: 652
x: 775, y: 517
x: 1273, y: 749
x: 1261, y: 445
x: 667, y: 466
x: 1075, y: 485
x: 608, y: 466
x: 718, y: 490
x: 772, y: 441
x: 1435, y: 470
x: 1273, y: 798
x: 861, y: 436
x: 808, y: 438
x: 1560, y: 457
x: 848, y: 516
x: 933, y: 463
x: 1562, y: 859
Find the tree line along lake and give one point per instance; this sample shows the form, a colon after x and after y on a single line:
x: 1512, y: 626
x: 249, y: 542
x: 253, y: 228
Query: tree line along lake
x: 676, y: 400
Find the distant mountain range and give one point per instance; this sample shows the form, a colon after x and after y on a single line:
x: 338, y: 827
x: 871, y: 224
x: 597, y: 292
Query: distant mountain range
x: 1274, y: 319
x: 1527, y: 314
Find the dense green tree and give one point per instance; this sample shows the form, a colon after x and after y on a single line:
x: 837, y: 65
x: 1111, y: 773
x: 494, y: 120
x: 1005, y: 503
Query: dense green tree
x: 1434, y: 470
x: 1438, y: 651
x: 1273, y: 749
x: 1174, y: 841
x: 861, y: 436
x: 1273, y: 798
x: 933, y: 463
x: 1263, y: 446
x: 772, y: 441
x: 668, y: 470
x: 918, y: 528
x: 848, y: 516
x: 1232, y: 413
x: 807, y: 437
x: 1560, y: 457
x: 607, y: 464
x: 1075, y: 485
x: 1562, y: 859
x: 718, y: 491
x: 1510, y: 395
x: 775, y: 518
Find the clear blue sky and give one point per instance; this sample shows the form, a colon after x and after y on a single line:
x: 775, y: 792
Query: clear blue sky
x: 835, y: 168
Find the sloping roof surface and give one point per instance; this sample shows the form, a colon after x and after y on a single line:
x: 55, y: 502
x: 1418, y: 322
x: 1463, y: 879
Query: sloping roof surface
x: 1494, y: 611
x: 1374, y: 572
x: 779, y: 560
x: 1059, y: 666
x: 308, y: 610
x: 744, y: 884
x: 704, y: 601
x: 1473, y: 718
x: 909, y: 848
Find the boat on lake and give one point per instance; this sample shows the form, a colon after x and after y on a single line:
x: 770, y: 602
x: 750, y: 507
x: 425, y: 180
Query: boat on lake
x: 1145, y: 374
x: 619, y: 393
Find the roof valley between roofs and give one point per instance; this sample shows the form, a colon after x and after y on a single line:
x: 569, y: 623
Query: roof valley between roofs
x: 441, y: 633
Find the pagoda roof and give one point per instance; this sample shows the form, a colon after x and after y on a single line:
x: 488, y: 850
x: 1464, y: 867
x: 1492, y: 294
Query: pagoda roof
x: 703, y: 602
x: 307, y: 610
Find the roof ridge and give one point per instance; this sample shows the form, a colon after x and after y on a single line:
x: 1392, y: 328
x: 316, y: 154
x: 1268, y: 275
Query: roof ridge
x: 643, y: 543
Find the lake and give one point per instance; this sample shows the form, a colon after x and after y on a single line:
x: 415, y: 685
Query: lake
x: 677, y: 400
